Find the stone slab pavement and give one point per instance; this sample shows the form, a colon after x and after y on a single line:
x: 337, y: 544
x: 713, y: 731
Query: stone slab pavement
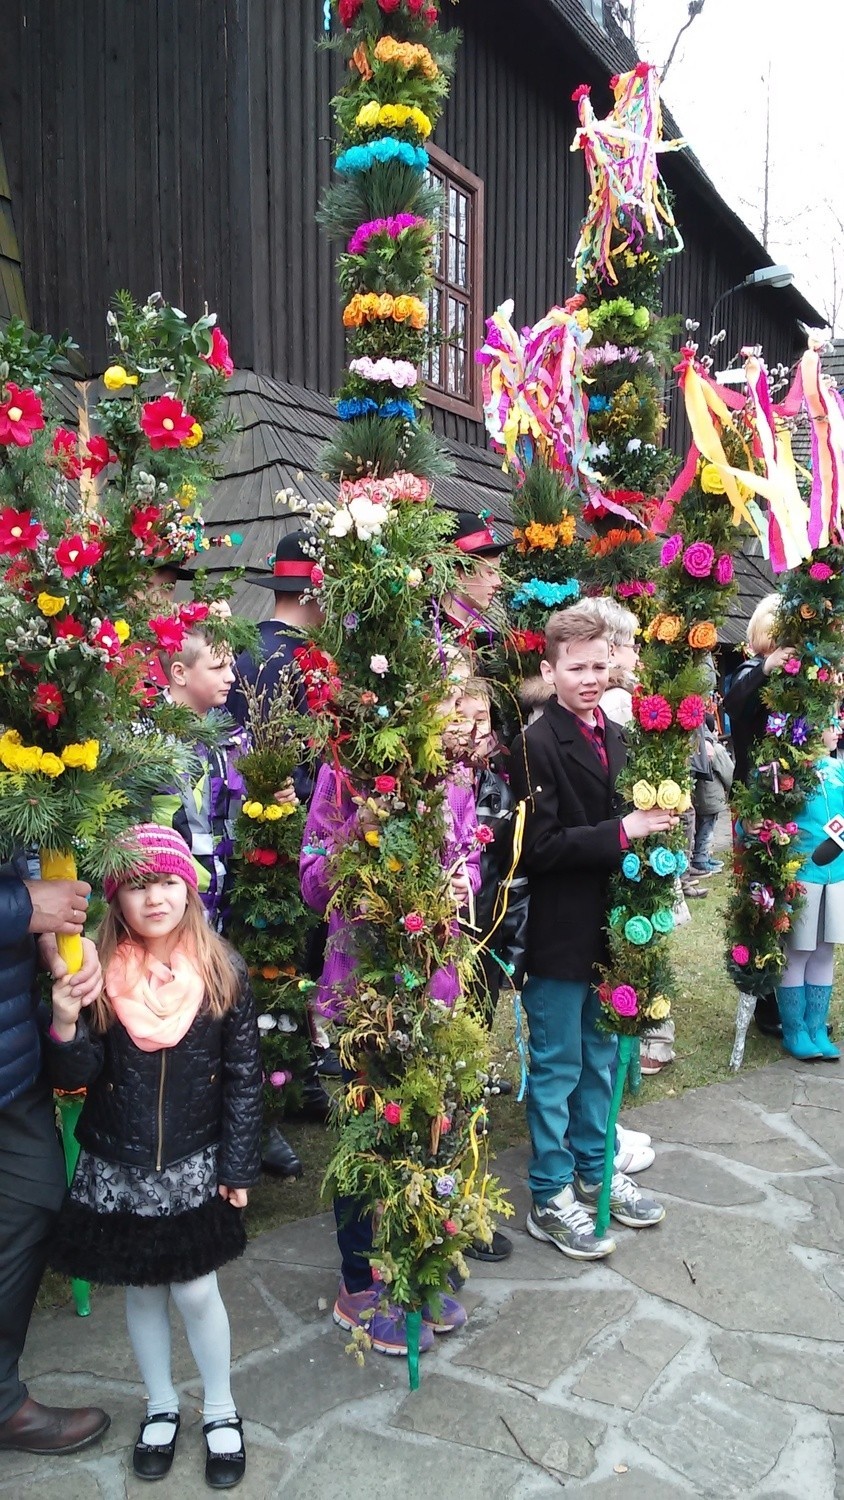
x: 706, y: 1357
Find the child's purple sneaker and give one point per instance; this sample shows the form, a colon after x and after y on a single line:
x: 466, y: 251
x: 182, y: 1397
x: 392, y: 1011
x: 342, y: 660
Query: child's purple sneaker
x: 443, y: 1314
x: 386, y: 1328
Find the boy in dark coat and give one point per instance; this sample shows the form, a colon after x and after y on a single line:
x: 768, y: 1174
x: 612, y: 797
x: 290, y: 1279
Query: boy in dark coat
x: 564, y: 767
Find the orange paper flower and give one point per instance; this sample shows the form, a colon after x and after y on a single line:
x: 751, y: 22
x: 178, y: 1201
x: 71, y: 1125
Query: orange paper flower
x: 665, y: 628
x: 703, y: 636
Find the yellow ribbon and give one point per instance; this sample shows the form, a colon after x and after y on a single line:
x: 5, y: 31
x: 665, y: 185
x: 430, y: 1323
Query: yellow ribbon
x: 502, y: 898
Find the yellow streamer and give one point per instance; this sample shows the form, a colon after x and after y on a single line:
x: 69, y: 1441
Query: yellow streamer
x: 502, y: 899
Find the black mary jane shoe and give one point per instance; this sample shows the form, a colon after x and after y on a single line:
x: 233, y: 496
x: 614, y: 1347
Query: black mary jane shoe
x: 154, y: 1460
x: 224, y: 1470
x: 500, y: 1249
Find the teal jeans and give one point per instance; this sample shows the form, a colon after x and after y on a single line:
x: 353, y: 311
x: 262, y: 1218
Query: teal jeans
x: 568, y: 1104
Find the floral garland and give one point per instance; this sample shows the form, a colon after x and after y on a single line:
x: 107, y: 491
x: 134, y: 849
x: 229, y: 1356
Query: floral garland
x: 75, y: 622
x: 378, y: 677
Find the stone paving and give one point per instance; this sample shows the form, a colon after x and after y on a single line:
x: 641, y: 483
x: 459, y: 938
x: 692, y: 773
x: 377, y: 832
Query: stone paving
x: 705, y: 1358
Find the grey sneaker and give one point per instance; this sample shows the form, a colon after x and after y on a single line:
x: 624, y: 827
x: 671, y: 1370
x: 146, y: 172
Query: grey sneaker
x: 627, y: 1204
x: 564, y: 1224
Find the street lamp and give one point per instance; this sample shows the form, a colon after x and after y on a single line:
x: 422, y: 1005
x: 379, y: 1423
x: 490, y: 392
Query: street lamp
x: 773, y: 276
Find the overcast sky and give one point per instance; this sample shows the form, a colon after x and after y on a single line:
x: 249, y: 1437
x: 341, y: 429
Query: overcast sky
x: 717, y: 89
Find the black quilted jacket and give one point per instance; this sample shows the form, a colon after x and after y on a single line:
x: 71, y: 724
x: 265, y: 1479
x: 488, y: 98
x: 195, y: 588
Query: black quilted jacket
x: 154, y: 1109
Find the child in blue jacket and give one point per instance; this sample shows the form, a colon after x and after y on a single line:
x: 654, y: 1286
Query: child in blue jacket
x: 805, y: 988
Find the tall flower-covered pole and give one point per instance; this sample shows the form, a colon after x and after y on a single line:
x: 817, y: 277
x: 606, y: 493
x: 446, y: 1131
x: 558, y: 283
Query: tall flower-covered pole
x: 409, y: 1150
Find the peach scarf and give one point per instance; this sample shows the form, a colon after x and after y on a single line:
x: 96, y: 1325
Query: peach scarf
x: 156, y: 1004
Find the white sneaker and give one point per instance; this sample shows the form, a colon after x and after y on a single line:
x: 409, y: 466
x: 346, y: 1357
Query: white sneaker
x: 634, y: 1159
x: 630, y: 1138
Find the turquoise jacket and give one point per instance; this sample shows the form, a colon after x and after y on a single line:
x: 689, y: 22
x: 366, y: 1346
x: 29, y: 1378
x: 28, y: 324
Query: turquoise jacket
x: 824, y: 804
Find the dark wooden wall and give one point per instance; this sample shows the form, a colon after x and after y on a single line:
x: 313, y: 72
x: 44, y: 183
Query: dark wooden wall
x: 182, y: 146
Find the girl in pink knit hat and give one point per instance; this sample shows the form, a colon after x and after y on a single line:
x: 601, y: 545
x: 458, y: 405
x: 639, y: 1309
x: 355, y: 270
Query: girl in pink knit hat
x: 170, y: 1133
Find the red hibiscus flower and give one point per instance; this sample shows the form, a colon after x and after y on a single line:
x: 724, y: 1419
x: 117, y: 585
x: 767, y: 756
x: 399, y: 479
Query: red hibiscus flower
x: 166, y: 422
x: 193, y: 614
x: 219, y: 358
x: 66, y: 452
x: 691, y: 712
x: 48, y: 703
x: 70, y: 630
x: 144, y: 526
x: 74, y: 555
x: 21, y: 414
x: 652, y: 712
x: 385, y: 785
x: 18, y: 532
x: 169, y: 633
x: 107, y: 638
x: 98, y: 456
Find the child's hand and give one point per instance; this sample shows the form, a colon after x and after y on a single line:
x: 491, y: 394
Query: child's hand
x: 639, y: 824
x: 87, y: 983
x: 776, y: 659
x: 66, y: 1008
x: 286, y: 794
x: 460, y: 888
x: 237, y: 1197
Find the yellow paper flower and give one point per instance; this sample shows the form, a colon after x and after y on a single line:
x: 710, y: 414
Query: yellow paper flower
x: 394, y: 865
x: 668, y: 795
x: 369, y: 114
x: 252, y: 809
x: 659, y: 1008
x: 273, y: 812
x: 186, y: 494
x: 581, y: 318
x: 115, y: 378
x: 82, y: 755
x: 28, y: 759
x: 644, y: 796
x: 372, y: 837
x: 51, y: 765
x: 194, y: 437
x: 122, y: 631
x: 286, y: 809
x: 685, y: 802
x: 50, y: 604
x: 710, y: 480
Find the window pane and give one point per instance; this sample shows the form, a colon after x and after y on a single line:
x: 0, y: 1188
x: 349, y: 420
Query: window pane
x: 451, y: 368
x: 435, y: 373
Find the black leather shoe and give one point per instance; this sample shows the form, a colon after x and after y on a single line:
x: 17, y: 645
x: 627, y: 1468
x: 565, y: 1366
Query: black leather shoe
x: 328, y: 1063
x: 224, y: 1470
x: 316, y: 1101
x: 767, y: 1016
x: 154, y: 1460
x: 500, y: 1249
x: 279, y: 1158
x: 502, y: 1086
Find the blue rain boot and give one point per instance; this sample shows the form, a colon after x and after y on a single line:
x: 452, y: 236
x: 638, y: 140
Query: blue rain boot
x: 818, y: 997
x: 791, y: 999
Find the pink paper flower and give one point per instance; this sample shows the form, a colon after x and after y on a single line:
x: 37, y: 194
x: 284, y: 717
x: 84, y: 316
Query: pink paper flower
x: 820, y: 572
x: 483, y: 834
x: 624, y: 1000
x: 691, y: 712
x: 699, y: 559
x: 379, y: 665
x: 724, y: 569
x: 671, y: 548
x: 792, y: 666
x: 392, y: 1113
x: 414, y: 921
x: 740, y: 954
x: 449, y: 1226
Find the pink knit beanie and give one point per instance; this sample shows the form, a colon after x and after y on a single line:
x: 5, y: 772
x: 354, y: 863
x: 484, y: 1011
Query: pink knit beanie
x: 162, y: 851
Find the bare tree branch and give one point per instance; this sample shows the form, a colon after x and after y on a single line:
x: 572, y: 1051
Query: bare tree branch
x: 695, y: 8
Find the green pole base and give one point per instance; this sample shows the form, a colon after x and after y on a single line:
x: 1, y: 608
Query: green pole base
x: 70, y: 1108
x: 628, y: 1047
x: 81, y: 1297
x: 413, y: 1325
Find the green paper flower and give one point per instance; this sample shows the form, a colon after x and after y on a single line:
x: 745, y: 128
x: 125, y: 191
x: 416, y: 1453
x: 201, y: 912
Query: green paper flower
x: 663, y: 920
x: 638, y: 930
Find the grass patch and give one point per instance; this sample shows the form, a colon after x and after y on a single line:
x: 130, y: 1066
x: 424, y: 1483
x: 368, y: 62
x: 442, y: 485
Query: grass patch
x: 704, y: 1018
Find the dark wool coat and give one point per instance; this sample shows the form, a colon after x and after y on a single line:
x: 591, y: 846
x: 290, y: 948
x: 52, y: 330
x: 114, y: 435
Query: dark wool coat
x: 155, y: 1109
x: 572, y: 841
x: 20, y: 1046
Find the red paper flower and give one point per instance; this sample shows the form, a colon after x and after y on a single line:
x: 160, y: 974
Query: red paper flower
x: 70, y: 629
x: 529, y: 640
x: 414, y: 921
x: 169, y: 633
x: 317, y: 576
x: 388, y: 6
x: 581, y: 92
x: 21, y: 414
x: 392, y: 1113
x: 349, y: 10
x: 484, y: 834
x: 642, y: 69
x: 98, y: 456
x: 219, y: 358
x: 691, y: 712
x: 107, y: 638
x: 74, y: 555
x: 18, y: 532
x: 48, y: 703
x: 66, y: 452
x: 385, y: 785
x: 144, y: 525
x: 653, y: 712
x: 415, y: 6
x: 449, y: 1226
x: 166, y: 422
x: 193, y: 614
x: 431, y: 15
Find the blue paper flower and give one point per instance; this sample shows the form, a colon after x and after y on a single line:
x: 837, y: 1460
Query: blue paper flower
x: 388, y: 149
x: 638, y: 930
x: 776, y: 724
x: 536, y: 590
x: 598, y: 403
x: 662, y: 861
x: 355, y: 406
x: 398, y: 408
x: 681, y: 863
x: 663, y: 920
x: 631, y: 866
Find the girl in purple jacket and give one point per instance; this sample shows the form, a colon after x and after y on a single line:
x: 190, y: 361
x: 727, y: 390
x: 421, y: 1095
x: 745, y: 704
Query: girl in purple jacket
x: 333, y: 820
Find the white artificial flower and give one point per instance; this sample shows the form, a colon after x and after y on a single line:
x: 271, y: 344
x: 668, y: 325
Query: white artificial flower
x: 341, y: 524
x: 634, y: 445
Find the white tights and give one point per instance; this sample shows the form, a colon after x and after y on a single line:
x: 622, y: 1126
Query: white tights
x: 809, y: 968
x: 207, y: 1327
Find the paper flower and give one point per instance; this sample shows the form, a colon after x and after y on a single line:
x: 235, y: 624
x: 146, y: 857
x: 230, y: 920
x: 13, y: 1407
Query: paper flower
x: 21, y: 414
x: 703, y: 636
x: 74, y: 555
x: 668, y: 795
x: 681, y: 862
x: 82, y: 755
x: 50, y: 765
x: 166, y: 422
x: 50, y: 604
x: 19, y: 532
x: 483, y: 834
x: 379, y: 665
x: 392, y: 1113
x: 799, y: 731
x: 699, y: 559
x: 666, y: 628
x: 658, y: 1008
x: 775, y: 724
x: 644, y: 795
x: 653, y: 712
x: 385, y: 785
x: 413, y: 922
x: 98, y: 456
x: 66, y: 453
x: 691, y: 712
x: 631, y: 866
x: 48, y: 703
x: 445, y: 1186
x: 821, y: 572
x: 638, y: 931
x: 663, y: 920
x: 724, y: 569
x: 219, y: 358
x: 624, y: 1000
x: 662, y: 861
x: 169, y: 633
x: 671, y: 548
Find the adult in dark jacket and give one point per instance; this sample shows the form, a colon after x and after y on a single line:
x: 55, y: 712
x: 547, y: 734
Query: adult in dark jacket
x: 32, y: 1179
x: 748, y: 716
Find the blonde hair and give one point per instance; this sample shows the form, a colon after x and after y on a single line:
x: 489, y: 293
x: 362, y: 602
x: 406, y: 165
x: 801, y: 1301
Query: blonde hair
x: 621, y: 623
x: 194, y: 644
x: 762, y: 625
x: 577, y: 623
x: 211, y: 956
